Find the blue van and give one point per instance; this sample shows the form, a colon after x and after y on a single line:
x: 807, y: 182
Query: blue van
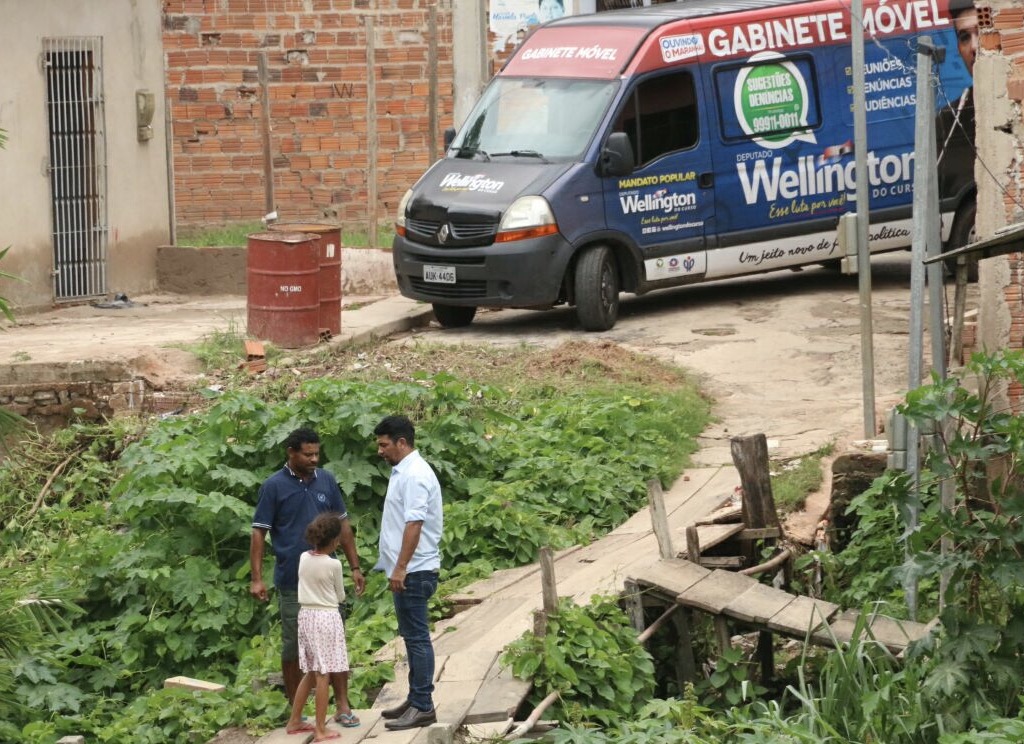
x: 648, y: 148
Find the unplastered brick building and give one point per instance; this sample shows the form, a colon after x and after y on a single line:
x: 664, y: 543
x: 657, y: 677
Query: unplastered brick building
x: 358, y: 95
x: 999, y: 172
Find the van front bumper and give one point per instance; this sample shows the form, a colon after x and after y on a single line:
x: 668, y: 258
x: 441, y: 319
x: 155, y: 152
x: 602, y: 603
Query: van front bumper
x: 524, y: 273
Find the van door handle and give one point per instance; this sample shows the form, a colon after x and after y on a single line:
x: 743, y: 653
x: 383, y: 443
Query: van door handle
x: 706, y: 180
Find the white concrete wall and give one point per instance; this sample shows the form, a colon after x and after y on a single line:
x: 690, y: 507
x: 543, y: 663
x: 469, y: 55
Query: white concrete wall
x: 137, y: 201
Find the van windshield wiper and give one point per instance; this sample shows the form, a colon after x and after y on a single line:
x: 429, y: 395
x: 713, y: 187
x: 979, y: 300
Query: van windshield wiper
x: 467, y: 151
x: 521, y: 154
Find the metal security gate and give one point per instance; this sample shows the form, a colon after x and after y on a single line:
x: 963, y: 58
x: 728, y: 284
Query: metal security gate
x: 78, y: 165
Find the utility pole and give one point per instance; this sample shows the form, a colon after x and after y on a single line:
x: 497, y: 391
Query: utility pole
x: 863, y: 192
x: 925, y: 242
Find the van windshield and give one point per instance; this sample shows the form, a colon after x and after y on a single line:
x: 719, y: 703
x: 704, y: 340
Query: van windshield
x: 549, y: 119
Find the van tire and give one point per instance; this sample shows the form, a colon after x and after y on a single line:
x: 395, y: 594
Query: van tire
x: 963, y: 233
x: 597, y: 289
x: 454, y: 316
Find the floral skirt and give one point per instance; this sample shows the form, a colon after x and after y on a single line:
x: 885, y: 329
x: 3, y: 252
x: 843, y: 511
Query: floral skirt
x: 322, y: 645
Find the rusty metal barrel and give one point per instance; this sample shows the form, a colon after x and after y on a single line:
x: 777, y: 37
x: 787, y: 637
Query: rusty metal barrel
x: 283, y: 302
x: 329, y: 249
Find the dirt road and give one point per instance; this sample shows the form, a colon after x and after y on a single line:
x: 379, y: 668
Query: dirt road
x: 780, y: 353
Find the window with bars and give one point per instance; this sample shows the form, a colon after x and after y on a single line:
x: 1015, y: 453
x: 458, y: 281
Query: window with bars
x: 78, y: 185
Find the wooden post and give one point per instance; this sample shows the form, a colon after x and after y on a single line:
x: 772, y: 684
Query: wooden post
x: 750, y: 455
x: 371, y: 131
x: 686, y: 667
x: 692, y: 545
x: 432, y: 87
x: 722, y: 634
x: 659, y: 518
x: 547, y: 581
x: 268, y: 160
x: 540, y: 623
x: 766, y: 656
x: 634, y: 604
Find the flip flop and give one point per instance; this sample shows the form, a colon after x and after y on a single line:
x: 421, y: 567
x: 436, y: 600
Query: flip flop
x: 304, y: 728
x: 347, y: 720
x: 327, y: 738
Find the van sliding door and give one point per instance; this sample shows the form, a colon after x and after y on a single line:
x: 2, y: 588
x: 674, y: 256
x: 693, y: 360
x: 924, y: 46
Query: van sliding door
x: 667, y: 203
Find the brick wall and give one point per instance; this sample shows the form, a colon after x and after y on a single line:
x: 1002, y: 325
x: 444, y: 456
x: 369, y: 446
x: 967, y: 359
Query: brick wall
x: 1001, y: 26
x: 318, y: 84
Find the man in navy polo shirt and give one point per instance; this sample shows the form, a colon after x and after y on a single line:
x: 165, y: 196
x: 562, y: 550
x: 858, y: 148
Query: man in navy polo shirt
x: 289, y: 500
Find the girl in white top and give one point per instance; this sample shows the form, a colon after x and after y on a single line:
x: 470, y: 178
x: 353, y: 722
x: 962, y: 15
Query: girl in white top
x: 322, y: 648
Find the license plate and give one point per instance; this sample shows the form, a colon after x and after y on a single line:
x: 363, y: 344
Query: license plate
x: 439, y: 274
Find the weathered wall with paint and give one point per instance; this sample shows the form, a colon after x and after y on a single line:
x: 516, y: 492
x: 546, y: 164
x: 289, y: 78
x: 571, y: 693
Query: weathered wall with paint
x: 136, y: 201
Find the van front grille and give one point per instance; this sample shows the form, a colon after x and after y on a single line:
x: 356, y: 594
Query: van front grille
x: 461, y: 234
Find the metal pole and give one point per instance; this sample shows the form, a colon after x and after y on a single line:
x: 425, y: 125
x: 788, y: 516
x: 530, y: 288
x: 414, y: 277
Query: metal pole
x: 937, y: 321
x: 268, y: 161
x: 860, y: 148
x: 924, y: 171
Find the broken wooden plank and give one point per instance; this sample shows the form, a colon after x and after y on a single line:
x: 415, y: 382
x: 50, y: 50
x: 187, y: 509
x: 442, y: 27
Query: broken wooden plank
x: 725, y: 514
x: 715, y: 591
x: 670, y: 577
x: 659, y: 518
x: 499, y: 697
x: 759, y: 533
x: 802, y: 616
x: 894, y: 634
x: 188, y: 683
x: 730, y: 562
x: 494, y: 620
x: 711, y: 535
x: 758, y: 604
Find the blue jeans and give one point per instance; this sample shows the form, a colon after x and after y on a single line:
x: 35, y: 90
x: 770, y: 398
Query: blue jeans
x: 413, y: 626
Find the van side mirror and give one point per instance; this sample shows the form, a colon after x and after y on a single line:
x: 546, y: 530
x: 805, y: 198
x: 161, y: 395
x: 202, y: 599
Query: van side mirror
x: 617, y: 155
x: 449, y: 137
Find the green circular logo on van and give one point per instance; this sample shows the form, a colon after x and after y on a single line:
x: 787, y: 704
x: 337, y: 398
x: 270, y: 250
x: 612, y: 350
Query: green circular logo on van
x: 770, y: 101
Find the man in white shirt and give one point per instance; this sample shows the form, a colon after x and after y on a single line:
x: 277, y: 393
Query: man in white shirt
x: 410, y: 537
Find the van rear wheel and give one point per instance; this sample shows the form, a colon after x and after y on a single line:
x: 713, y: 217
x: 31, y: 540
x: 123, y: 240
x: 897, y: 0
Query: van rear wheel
x: 454, y: 316
x: 597, y: 289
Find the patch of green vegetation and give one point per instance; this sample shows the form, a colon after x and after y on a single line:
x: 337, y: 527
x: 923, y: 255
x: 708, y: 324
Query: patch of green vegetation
x: 361, y: 238
x: 224, y: 349
x: 147, y: 526
x: 795, y: 479
x: 237, y: 234
x: 234, y: 234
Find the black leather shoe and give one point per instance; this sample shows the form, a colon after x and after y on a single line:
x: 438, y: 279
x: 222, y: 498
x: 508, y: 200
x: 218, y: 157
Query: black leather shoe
x: 398, y: 710
x: 412, y: 718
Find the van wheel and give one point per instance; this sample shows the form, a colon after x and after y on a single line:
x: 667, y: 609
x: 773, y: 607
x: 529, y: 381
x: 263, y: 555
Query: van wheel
x: 454, y: 316
x: 963, y: 233
x: 597, y: 289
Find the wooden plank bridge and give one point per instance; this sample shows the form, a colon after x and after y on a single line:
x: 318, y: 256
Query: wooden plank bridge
x: 471, y: 688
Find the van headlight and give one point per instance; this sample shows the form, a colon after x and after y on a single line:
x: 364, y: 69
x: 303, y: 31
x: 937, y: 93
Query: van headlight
x: 528, y: 217
x: 400, y: 219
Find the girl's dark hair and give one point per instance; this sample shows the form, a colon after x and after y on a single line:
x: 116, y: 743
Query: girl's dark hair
x: 323, y: 530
